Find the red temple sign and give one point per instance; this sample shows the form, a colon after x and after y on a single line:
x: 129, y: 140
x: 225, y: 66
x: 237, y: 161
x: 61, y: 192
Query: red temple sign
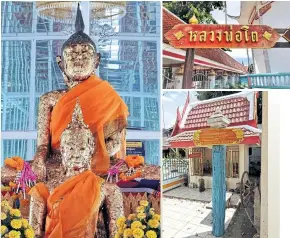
x: 195, y: 155
x: 222, y: 36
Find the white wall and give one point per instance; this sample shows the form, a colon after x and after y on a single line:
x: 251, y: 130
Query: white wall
x: 231, y: 182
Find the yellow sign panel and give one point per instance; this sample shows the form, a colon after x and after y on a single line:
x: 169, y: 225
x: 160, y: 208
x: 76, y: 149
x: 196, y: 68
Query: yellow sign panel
x: 134, y: 144
x: 218, y: 136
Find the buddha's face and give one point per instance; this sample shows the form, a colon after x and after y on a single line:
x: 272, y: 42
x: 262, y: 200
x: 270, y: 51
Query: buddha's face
x: 79, y: 61
x: 77, y: 149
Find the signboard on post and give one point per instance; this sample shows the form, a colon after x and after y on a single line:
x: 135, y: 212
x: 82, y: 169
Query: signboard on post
x: 218, y: 136
x: 188, y: 36
x: 135, y: 148
x: 195, y: 155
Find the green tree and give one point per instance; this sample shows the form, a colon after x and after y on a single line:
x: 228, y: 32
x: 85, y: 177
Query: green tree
x: 201, y: 9
x: 204, y: 95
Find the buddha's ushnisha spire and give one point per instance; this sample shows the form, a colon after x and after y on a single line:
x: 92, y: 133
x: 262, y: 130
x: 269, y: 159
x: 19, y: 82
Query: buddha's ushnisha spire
x: 79, y: 24
x: 79, y: 37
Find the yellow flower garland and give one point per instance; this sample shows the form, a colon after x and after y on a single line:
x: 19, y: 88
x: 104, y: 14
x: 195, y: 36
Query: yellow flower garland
x: 136, y: 224
x: 121, y: 221
x: 140, y: 209
x: 128, y: 233
x: 141, y: 215
x: 15, y: 212
x: 4, y: 203
x: 25, y: 223
x: 3, y: 216
x: 138, y: 233
x: 151, y: 234
x: 153, y: 223
x: 16, y: 223
x: 144, y: 203
x: 3, y: 229
x: 14, y: 234
x: 29, y: 233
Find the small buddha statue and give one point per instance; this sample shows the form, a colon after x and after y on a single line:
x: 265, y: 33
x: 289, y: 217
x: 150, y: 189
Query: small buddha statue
x: 72, y: 208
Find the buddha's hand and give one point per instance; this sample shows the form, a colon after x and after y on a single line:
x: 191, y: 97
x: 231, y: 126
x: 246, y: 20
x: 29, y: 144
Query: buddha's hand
x: 38, y: 164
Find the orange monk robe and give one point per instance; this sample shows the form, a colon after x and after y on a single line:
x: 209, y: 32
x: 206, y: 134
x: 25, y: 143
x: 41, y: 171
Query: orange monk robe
x: 72, y: 205
x: 100, y: 105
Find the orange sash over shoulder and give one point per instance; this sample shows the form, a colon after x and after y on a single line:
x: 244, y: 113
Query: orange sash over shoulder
x: 100, y: 105
x: 72, y: 205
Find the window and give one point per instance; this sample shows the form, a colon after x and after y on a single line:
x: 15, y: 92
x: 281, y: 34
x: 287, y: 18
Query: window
x: 232, y: 162
x: 196, y: 156
x: 129, y: 62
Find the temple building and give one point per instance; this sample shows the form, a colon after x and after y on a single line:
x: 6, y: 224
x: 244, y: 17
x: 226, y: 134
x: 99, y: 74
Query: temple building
x: 276, y: 15
x: 129, y: 49
x: 213, y: 68
x: 241, y: 110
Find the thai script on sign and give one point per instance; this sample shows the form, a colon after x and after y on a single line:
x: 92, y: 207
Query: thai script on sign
x: 222, y: 36
x: 238, y: 36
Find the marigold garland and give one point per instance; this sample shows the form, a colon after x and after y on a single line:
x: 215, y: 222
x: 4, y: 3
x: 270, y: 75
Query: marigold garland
x: 12, y: 224
x: 134, y: 160
x: 143, y: 224
x: 137, y: 174
x: 15, y: 162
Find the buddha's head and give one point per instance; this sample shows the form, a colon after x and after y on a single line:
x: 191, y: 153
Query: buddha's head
x: 79, y: 57
x: 77, y: 143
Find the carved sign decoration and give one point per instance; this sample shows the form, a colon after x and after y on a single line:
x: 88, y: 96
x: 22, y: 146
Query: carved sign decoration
x: 265, y: 8
x: 222, y: 36
x: 253, y: 16
x: 286, y: 35
x: 218, y: 136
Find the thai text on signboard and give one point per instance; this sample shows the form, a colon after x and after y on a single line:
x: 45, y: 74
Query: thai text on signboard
x: 222, y: 36
x: 218, y: 136
x: 135, y: 148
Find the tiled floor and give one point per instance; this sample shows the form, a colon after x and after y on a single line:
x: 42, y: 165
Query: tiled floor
x: 191, y: 194
x: 184, y: 218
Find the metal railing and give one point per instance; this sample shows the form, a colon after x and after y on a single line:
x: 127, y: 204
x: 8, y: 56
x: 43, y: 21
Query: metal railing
x: 272, y: 80
x: 174, y: 167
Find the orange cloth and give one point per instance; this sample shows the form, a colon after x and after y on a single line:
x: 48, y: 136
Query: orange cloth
x: 100, y: 105
x: 71, y: 205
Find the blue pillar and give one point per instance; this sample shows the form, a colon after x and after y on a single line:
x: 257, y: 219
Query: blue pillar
x: 218, y: 189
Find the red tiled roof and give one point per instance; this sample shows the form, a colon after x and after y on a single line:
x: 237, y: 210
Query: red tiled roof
x: 217, y: 55
x: 236, y: 109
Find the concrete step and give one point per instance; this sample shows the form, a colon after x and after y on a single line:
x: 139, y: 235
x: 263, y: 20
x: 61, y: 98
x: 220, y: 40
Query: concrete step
x: 228, y: 196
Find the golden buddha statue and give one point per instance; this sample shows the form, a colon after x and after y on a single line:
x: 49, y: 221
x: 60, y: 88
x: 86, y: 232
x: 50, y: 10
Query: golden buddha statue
x: 73, y: 207
x: 104, y: 110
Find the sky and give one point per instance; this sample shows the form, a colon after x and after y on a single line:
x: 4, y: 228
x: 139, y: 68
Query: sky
x: 233, y: 9
x: 170, y: 102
